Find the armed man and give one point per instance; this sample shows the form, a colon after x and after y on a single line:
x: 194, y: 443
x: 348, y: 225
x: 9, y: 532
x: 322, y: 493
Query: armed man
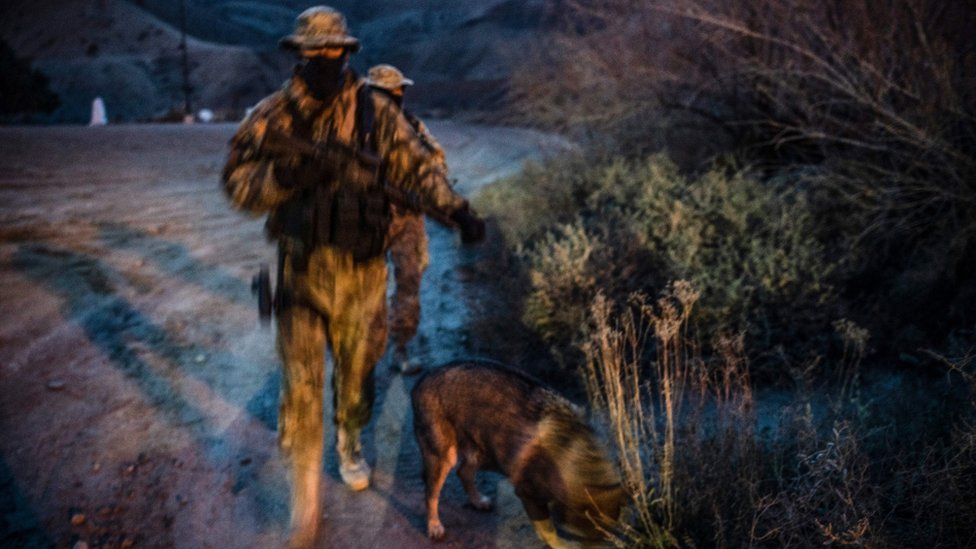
x: 322, y: 157
x: 408, y: 236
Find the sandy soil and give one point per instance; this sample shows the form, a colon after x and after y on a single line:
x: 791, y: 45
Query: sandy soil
x: 138, y: 390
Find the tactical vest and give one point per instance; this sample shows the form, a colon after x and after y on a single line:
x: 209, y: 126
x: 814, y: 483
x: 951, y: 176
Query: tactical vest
x: 352, y: 215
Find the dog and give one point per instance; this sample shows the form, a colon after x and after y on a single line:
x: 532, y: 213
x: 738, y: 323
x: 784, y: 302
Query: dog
x: 482, y: 415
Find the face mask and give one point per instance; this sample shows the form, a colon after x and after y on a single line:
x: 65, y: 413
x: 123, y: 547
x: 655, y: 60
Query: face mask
x: 323, y: 76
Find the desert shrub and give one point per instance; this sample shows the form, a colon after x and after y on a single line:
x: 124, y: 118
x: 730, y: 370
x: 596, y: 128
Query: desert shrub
x: 561, y: 250
x: 538, y: 197
x: 749, y: 246
x: 563, y: 275
x: 824, y: 492
x: 699, y: 470
x: 933, y: 492
x: 960, y: 358
x: 627, y: 226
x: 882, y: 138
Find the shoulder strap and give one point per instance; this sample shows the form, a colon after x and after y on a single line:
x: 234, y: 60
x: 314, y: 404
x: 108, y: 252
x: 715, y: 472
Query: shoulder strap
x: 365, y: 118
x: 414, y: 121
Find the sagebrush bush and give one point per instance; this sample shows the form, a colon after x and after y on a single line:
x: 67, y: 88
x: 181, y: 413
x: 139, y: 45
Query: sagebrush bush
x: 749, y: 246
x: 883, y: 137
x: 563, y: 274
x: 628, y: 226
x: 538, y: 197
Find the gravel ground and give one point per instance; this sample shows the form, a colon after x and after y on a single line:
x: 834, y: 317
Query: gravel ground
x: 138, y: 391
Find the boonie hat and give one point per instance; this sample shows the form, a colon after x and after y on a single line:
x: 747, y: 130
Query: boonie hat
x: 387, y: 77
x: 320, y: 27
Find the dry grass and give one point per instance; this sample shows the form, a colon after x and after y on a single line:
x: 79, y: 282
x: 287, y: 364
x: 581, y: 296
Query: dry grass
x: 685, y: 433
x: 700, y: 471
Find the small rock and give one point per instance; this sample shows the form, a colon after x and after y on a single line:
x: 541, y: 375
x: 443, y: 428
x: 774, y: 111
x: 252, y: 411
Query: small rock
x: 77, y: 519
x: 80, y: 545
x: 200, y: 358
x: 127, y: 543
x: 96, y: 467
x: 56, y: 385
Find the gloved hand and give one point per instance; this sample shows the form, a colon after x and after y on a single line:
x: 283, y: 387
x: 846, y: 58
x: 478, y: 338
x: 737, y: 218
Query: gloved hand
x: 472, y: 227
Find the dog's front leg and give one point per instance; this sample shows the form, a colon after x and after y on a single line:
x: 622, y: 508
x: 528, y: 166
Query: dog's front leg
x: 436, y: 471
x: 435, y: 528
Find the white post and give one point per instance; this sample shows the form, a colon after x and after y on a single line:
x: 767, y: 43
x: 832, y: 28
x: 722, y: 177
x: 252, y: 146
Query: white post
x: 98, y: 116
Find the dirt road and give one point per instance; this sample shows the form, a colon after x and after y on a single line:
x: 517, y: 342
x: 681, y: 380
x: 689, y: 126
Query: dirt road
x: 138, y: 391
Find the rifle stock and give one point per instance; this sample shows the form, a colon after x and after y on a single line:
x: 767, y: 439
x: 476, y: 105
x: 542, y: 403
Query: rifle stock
x: 276, y: 142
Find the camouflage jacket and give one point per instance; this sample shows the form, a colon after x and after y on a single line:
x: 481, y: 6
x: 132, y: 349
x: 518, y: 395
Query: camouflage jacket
x: 432, y: 145
x: 251, y: 175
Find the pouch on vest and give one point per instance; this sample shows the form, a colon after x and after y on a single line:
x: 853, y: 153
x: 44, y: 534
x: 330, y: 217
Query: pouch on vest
x: 357, y: 222
x: 287, y: 219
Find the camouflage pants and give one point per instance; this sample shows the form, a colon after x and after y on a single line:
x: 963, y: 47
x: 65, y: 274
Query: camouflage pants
x: 343, y: 304
x: 408, y: 253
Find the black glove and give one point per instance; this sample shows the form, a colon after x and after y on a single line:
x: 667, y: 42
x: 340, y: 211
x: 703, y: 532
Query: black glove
x: 472, y: 227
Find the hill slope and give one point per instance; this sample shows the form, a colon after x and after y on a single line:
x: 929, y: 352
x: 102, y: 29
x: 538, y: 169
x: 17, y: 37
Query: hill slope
x: 127, y: 52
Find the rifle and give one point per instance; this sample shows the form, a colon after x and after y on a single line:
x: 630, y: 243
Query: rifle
x: 278, y: 142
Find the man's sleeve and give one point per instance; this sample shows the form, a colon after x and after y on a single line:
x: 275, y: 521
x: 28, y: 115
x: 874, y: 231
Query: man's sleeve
x: 256, y: 182
x: 409, y: 164
x: 432, y: 143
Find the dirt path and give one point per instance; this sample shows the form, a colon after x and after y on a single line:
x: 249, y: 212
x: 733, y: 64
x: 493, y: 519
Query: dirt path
x: 138, y: 392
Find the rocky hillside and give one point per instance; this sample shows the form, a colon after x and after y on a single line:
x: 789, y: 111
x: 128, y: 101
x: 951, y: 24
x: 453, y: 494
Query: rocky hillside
x: 459, y: 52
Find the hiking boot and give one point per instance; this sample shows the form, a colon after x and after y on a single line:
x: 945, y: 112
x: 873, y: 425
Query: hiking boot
x: 355, y: 474
x: 352, y: 467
